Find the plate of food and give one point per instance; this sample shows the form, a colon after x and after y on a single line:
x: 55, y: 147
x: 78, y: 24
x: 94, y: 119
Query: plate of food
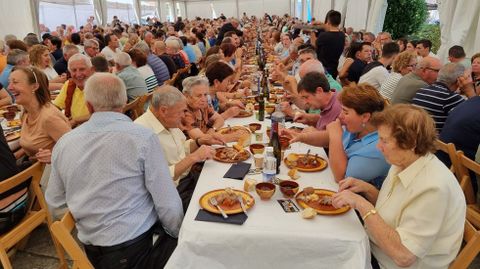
x: 228, y: 199
x: 12, y: 136
x: 234, y: 130
x: 244, y: 114
x: 305, y: 162
x: 230, y: 155
x: 320, y: 200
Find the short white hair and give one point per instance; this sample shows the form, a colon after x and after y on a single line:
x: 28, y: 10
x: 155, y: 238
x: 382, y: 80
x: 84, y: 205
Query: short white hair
x: 80, y: 57
x: 105, y: 92
x: 122, y: 59
x: 166, y: 95
x: 143, y: 47
x: 311, y: 65
x: 172, y: 43
x: 190, y: 82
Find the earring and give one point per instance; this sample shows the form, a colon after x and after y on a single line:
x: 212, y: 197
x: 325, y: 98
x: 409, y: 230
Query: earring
x: 363, y: 125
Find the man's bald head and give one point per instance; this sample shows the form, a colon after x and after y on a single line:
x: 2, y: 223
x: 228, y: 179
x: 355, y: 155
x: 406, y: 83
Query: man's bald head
x: 428, y: 68
x: 311, y: 65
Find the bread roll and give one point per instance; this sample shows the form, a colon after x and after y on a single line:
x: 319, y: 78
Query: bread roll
x: 309, y: 213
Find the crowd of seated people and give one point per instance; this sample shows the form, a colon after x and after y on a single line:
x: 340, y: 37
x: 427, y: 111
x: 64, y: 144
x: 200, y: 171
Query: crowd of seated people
x: 338, y: 82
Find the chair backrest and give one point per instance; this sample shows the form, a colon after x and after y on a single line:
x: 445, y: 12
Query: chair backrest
x: 449, y: 148
x: 61, y: 231
x: 464, y: 166
x: 37, y: 212
x: 131, y: 109
x: 144, y: 100
x: 471, y: 237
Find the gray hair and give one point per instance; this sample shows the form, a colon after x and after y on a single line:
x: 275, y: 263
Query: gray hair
x: 172, y: 43
x: 89, y: 43
x: 122, y: 59
x: 166, y: 95
x: 15, y: 56
x: 70, y: 49
x: 143, y: 47
x: 312, y: 65
x: 80, y: 57
x: 9, y: 37
x: 190, y: 82
x: 31, y: 40
x: 105, y: 92
x: 450, y: 72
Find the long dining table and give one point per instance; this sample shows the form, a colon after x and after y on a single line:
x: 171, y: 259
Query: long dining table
x: 270, y: 237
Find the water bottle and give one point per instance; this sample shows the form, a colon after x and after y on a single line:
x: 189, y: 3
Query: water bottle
x: 269, y: 165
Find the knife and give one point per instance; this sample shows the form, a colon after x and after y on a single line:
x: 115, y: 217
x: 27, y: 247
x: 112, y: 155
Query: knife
x: 240, y: 199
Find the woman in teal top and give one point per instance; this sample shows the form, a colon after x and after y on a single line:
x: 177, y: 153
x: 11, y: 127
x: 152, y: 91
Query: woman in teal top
x: 352, y: 147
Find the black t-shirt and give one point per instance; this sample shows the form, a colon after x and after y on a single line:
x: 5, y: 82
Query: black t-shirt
x: 172, y: 69
x: 329, y: 48
x: 355, y: 71
x: 8, y: 167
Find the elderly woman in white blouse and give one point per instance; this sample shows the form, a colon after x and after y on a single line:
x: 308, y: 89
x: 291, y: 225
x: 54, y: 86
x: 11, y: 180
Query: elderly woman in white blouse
x: 416, y: 220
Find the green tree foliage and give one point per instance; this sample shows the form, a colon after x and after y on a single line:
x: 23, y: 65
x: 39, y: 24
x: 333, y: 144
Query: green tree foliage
x: 430, y: 32
x: 404, y: 17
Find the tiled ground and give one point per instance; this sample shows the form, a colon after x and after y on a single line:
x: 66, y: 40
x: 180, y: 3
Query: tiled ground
x: 40, y: 253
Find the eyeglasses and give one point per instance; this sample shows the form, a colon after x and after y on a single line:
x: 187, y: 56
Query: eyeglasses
x: 412, y: 65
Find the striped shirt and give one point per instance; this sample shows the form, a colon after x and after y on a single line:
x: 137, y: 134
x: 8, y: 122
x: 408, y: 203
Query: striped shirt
x: 389, y: 85
x: 159, y: 68
x: 149, y: 76
x: 438, y: 101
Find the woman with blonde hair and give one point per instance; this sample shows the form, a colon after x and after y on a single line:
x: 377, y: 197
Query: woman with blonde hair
x: 403, y: 64
x: 40, y: 58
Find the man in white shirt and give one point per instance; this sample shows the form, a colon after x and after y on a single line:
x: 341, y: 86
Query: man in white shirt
x: 423, y: 49
x: 164, y: 117
x: 112, y: 47
x: 375, y: 73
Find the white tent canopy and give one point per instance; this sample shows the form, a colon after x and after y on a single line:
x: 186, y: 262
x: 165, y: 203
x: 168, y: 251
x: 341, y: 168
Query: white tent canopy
x: 52, y: 13
x: 20, y: 17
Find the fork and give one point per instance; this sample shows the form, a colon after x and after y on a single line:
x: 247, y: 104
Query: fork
x: 214, y: 202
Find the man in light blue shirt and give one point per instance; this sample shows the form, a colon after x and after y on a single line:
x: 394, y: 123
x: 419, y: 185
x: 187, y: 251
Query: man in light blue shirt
x: 134, y: 82
x: 114, y: 180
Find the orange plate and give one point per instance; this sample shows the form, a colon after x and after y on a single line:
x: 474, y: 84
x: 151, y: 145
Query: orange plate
x: 13, y: 136
x: 321, y: 209
x: 244, y: 114
x: 322, y: 164
x: 248, y: 200
x: 244, y: 156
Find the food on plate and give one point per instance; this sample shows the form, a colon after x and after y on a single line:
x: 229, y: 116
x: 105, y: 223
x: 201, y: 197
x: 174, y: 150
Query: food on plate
x: 231, y: 155
x: 309, y: 213
x: 308, y: 190
x: 292, y: 157
x: 227, y: 199
x: 238, y: 147
x: 249, y: 185
x: 305, y: 163
x: 249, y: 107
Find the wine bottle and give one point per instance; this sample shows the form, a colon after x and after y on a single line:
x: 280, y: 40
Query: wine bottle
x: 278, y: 119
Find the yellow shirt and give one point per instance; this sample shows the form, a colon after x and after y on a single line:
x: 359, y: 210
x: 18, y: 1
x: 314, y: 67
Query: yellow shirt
x: 426, y: 206
x: 79, y: 108
x: 3, y: 64
x: 174, y: 143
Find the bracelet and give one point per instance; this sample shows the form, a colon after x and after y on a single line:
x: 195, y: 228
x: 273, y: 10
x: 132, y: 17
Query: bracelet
x: 196, y: 142
x: 368, y: 214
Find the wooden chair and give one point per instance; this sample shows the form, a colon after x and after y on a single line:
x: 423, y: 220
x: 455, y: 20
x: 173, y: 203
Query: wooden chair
x: 141, y: 103
x: 464, y: 166
x: 131, y: 109
x: 61, y: 230
x: 172, y: 80
x: 35, y: 216
x: 471, y: 237
x: 452, y: 153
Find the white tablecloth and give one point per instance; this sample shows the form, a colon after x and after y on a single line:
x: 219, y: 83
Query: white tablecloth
x: 270, y: 238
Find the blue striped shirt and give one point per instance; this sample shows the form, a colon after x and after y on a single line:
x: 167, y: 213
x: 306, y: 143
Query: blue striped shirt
x: 159, y: 68
x: 438, y: 100
x: 114, y: 179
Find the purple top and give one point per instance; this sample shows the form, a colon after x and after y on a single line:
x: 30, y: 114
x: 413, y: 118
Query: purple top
x: 329, y: 113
